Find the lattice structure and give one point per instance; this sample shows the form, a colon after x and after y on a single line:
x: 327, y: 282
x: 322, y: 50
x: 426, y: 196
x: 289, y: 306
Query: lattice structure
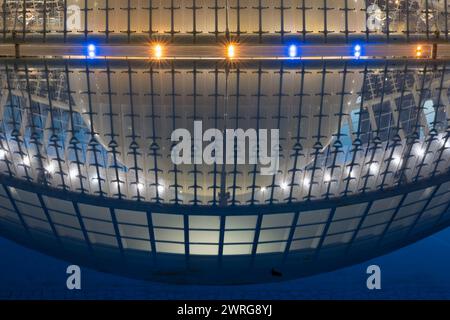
x: 85, y: 141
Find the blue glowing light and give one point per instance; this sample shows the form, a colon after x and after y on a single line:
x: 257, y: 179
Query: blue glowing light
x: 91, y: 51
x: 357, y: 51
x: 292, y: 51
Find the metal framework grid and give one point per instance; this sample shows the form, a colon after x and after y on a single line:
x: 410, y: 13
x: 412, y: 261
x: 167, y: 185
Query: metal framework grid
x: 84, y: 144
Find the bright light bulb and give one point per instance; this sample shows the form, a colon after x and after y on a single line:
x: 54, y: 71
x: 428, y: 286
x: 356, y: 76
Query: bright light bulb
x: 140, y: 186
x: 91, y: 51
x: 2, y: 154
x: 357, y: 51
x: 327, y: 177
x: 231, y: 51
x: 158, y: 51
x: 284, y: 186
x: 263, y: 189
x: 160, y: 189
x: 292, y: 51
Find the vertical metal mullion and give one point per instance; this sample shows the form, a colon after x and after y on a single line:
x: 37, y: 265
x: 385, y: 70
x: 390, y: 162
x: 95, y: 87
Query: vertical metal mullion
x: 408, y: 26
x: 116, y: 230
x: 196, y: 186
x: 427, y: 20
x: 397, y: 141
x: 15, y: 136
x: 415, y: 135
x: 154, y: 147
x: 134, y: 145
x: 150, y: 9
x: 446, y: 15
x: 82, y: 226
x: 186, y: 238
x: 324, y: 233
x: 298, y: 147
x: 49, y: 219
x: 44, y: 21
x: 65, y: 21
x: 93, y: 141
x: 259, y: 95
x: 278, y: 117
x: 19, y: 214
x: 337, y: 145
x: 236, y: 123
x: 389, y: 223
x: 359, y: 226
x: 318, y: 144
x: 221, y: 238
x: 174, y: 116
x: 388, y: 31
x: 420, y: 214
x: 112, y: 134
x: 34, y: 135
x: 73, y: 141
x: 443, y: 148
x: 216, y: 96
x: 151, y: 233
x: 54, y: 137
x: 356, y: 142
x: 256, y: 238
x: 4, y: 19
x: 291, y: 236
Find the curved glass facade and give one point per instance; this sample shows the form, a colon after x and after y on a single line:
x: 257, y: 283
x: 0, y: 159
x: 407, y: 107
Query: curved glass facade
x: 86, y: 171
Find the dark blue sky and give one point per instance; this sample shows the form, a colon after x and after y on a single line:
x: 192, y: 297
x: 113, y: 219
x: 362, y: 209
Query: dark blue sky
x: 419, y: 271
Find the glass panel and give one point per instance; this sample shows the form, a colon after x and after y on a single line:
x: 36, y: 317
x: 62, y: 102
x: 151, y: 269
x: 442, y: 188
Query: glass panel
x: 169, y: 235
x: 240, y: 222
x: 239, y: 236
x: 317, y: 216
x: 132, y: 217
x: 95, y: 212
x: 167, y: 220
x: 277, y: 220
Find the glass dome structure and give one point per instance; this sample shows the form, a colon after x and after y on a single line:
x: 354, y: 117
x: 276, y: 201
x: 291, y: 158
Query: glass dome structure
x: 87, y: 109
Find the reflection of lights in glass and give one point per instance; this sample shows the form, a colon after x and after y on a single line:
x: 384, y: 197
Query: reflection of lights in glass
x: 357, y: 51
x: 26, y: 160
x: 373, y: 168
x: 327, y: 177
x: 140, y: 186
x: 263, y: 189
x: 284, y: 185
x: 73, y: 173
x: 306, y: 182
x: 50, y: 168
x: 292, y: 51
x: 91, y: 51
x: 420, y: 152
x: 160, y: 188
x: 419, y: 51
x: 231, y: 51
x: 158, y: 51
x: 396, y: 160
